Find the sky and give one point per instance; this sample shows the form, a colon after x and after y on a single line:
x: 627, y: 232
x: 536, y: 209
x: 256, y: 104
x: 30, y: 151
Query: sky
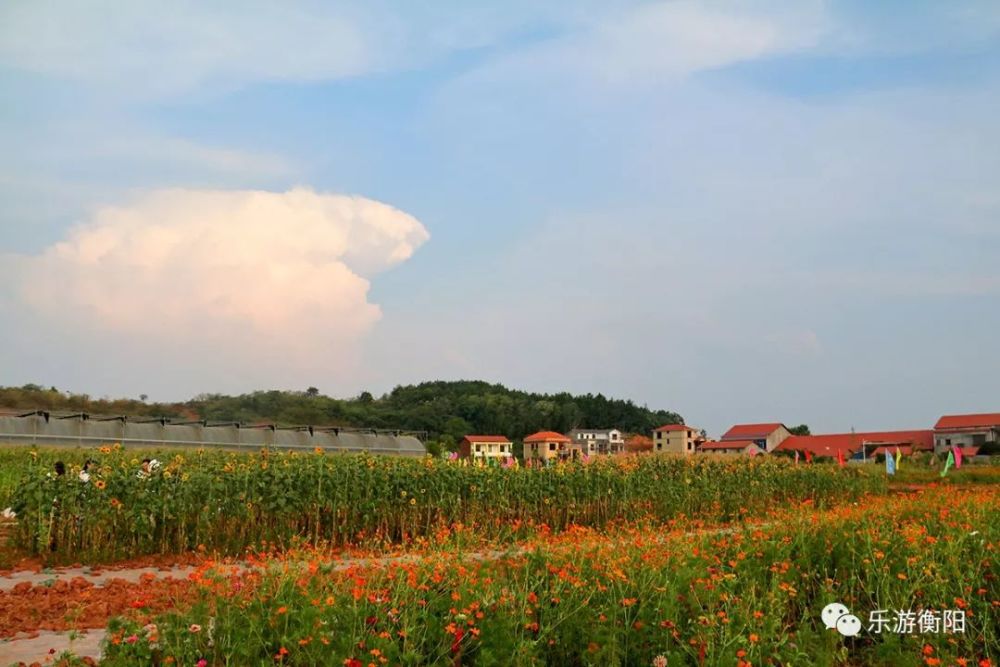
x: 739, y: 211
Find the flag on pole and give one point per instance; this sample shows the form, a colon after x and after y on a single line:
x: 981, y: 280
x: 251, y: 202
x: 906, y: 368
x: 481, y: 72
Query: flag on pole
x: 796, y: 457
x: 890, y: 464
x: 840, y: 457
x: 949, y: 463
x: 958, y: 457
x: 899, y: 458
x: 809, y: 456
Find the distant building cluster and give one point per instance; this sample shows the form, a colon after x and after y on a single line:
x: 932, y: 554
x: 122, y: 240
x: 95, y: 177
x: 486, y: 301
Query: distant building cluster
x: 969, y: 432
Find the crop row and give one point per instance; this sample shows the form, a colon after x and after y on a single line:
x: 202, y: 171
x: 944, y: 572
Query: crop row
x: 738, y: 597
x: 227, y: 502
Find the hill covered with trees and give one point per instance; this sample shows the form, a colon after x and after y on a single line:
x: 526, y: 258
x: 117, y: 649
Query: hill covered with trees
x: 447, y: 410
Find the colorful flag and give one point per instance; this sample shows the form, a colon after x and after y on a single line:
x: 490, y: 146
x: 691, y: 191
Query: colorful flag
x: 958, y: 457
x: 890, y: 464
x: 809, y: 456
x: 796, y: 457
x: 899, y: 458
x: 947, y: 464
x: 840, y: 457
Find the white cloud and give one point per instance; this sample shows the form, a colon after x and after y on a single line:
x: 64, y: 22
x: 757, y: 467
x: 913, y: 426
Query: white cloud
x: 664, y: 41
x: 244, y: 275
x: 145, y: 49
x: 155, y: 48
x: 672, y: 39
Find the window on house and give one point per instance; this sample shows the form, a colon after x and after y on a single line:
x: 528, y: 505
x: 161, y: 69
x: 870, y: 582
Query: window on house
x: 552, y: 446
x: 479, y: 448
x: 948, y: 441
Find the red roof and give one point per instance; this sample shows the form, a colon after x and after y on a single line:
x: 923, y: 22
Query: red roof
x: 830, y: 444
x: 673, y: 427
x: 486, y: 438
x: 959, y: 422
x: 751, y: 431
x: 727, y: 444
x: 547, y: 436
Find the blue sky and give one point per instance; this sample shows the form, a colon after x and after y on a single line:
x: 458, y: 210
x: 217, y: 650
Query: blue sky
x: 739, y: 211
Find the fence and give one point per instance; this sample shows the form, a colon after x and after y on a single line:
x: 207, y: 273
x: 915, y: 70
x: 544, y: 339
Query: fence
x: 81, y: 429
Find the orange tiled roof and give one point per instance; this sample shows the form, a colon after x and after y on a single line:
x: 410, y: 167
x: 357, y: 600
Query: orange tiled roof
x: 547, y: 436
x: 486, y: 438
x: 985, y: 420
x: 849, y: 443
x: 751, y: 431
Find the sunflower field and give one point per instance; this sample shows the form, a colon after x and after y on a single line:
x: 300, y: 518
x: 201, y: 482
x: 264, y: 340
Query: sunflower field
x: 226, y: 502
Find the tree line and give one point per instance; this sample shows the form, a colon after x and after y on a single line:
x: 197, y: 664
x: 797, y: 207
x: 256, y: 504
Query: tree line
x: 446, y: 410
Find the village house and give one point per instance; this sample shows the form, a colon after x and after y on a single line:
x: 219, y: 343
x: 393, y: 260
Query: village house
x: 967, y: 431
x: 676, y: 439
x: 863, y: 445
x: 598, y: 441
x: 766, y: 436
x: 547, y: 445
x: 486, y: 447
x: 730, y: 447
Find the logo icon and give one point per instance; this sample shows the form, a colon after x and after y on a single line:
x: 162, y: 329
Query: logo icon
x: 836, y: 615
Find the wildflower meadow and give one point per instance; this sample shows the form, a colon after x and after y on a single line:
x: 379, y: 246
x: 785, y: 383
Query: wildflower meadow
x: 638, y: 596
x: 279, y: 558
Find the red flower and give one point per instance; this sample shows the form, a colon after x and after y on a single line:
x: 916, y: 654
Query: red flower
x: 456, y: 642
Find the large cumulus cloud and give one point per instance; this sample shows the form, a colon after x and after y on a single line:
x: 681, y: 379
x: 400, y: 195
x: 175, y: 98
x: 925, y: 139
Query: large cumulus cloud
x: 244, y: 276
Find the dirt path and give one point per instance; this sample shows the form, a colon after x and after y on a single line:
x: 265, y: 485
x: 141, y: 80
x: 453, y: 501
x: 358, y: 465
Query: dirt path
x: 99, y: 578
x: 42, y: 646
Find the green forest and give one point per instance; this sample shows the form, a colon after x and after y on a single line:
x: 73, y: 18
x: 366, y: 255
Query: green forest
x: 445, y: 410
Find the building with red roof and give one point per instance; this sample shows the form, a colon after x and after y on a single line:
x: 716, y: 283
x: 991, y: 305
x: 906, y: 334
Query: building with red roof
x: 486, y: 447
x: 976, y: 430
x: 677, y: 439
x: 730, y: 447
x: 767, y: 436
x: 864, y: 444
x: 546, y: 445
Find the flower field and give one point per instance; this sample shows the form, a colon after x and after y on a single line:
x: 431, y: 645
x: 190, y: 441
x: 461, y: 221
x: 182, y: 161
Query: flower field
x: 319, y: 559
x: 740, y: 596
x: 225, y: 503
